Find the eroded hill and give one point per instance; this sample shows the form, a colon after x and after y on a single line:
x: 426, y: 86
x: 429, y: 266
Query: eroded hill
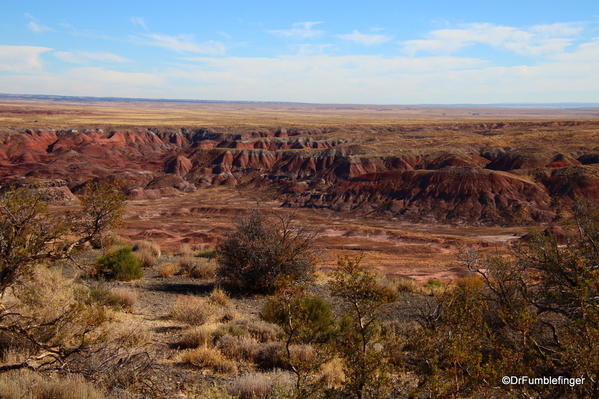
x: 477, y: 173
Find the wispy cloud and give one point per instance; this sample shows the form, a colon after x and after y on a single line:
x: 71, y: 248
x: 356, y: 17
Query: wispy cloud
x: 35, y: 25
x: 535, y: 41
x: 38, y: 28
x: 21, y: 59
x: 312, y: 49
x: 83, y: 57
x: 185, y: 44
x: 367, y: 39
x: 300, y: 30
x: 139, y: 21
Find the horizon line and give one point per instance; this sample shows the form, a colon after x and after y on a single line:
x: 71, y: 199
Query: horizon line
x: 158, y: 100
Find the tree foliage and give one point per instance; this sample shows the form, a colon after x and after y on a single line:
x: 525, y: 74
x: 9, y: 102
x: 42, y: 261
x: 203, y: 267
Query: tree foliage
x: 265, y: 251
x: 534, y: 313
x: 309, y: 326
x: 359, y: 341
x: 30, y: 233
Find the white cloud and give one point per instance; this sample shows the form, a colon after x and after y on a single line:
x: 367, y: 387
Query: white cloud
x: 538, y: 40
x: 35, y: 25
x: 139, y: 21
x: 86, y: 82
x: 365, y: 38
x: 185, y: 43
x: 101, y: 75
x: 337, y: 79
x: 557, y: 30
x: 21, y: 59
x: 300, y: 30
x: 38, y: 28
x: 311, y: 49
x: 83, y: 57
x: 312, y: 75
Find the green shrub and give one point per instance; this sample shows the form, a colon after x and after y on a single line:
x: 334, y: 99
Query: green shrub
x: 121, y: 264
x: 310, y: 316
x: 435, y: 283
x: 103, y: 297
x: 207, y: 253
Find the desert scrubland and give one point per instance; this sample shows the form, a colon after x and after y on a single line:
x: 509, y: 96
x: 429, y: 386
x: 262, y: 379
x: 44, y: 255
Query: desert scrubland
x: 446, y: 207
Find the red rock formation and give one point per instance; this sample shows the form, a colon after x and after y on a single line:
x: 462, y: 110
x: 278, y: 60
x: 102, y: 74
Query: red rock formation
x: 179, y: 165
x: 448, y: 195
x: 310, y: 169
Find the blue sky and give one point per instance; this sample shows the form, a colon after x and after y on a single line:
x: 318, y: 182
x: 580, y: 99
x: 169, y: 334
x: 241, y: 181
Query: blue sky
x: 362, y: 52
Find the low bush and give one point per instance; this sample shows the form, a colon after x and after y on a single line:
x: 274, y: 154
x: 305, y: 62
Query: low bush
x: 251, y: 386
x: 111, y: 239
x: 204, y: 357
x: 25, y: 384
x: 435, y: 283
x: 121, y: 264
x: 260, y: 330
x: 186, y: 256
x: 311, y: 315
x: 219, y: 297
x: 261, y: 386
x: 168, y: 269
x: 100, y: 296
x: 238, y: 348
x: 192, y: 310
x: 207, y: 253
x: 197, y: 336
x: 406, y: 285
x: 146, y: 252
x: 264, y: 253
x: 332, y: 374
x: 126, y: 297
x: 204, y: 270
x: 270, y: 356
x: 150, y: 246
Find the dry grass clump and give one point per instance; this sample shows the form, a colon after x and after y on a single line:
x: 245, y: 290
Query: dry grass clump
x: 199, y: 268
x: 219, y: 297
x: 405, y: 285
x: 126, y: 297
x: 196, y: 268
x: 387, y: 283
x: 197, y: 336
x: 110, y: 239
x: 210, y: 358
x: 129, y: 334
x: 168, y: 269
x: 238, y: 348
x: 204, y: 269
x: 270, y: 356
x: 150, y: 246
x: 260, y: 385
x: 260, y: 330
x: 146, y: 252
x: 301, y: 354
x: 186, y: 255
x: 25, y: 384
x: 332, y: 373
x: 193, y: 310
